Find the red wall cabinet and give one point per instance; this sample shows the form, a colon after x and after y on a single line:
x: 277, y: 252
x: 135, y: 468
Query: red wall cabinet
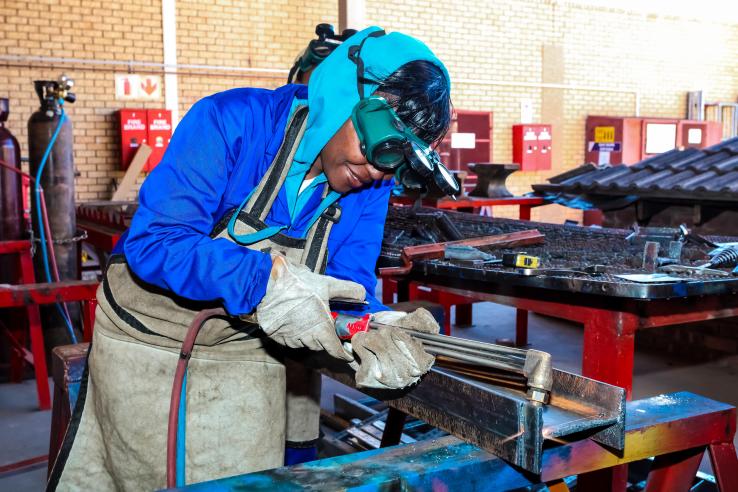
x: 468, y: 121
x: 133, y: 132
x: 138, y: 126
x: 700, y: 134
x: 627, y: 140
x: 160, y: 133
x: 532, y: 145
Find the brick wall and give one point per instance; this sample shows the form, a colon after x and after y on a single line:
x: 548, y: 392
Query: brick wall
x: 86, y: 29
x: 660, y: 57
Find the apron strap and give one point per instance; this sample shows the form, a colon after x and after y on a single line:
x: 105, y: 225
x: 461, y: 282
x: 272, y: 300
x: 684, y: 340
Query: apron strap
x: 262, y: 197
x: 315, y: 255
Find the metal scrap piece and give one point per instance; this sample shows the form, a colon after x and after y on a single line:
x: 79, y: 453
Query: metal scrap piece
x: 693, y: 270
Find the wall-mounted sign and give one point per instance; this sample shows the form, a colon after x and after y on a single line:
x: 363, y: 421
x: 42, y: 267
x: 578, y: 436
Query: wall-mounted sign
x: 604, y: 134
x: 134, y: 87
x: 463, y: 140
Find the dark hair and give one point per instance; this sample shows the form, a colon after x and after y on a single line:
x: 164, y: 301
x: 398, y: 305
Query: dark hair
x: 422, y: 98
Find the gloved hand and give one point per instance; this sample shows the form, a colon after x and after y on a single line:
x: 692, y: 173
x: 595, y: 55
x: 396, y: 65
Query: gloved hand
x: 295, y: 312
x: 389, y: 358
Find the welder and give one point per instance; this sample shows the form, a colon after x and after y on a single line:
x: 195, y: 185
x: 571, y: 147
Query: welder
x: 268, y: 203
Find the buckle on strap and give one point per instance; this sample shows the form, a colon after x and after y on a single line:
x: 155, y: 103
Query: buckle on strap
x: 332, y: 214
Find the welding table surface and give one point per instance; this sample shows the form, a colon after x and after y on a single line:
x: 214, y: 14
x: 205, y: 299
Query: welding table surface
x: 656, y: 426
x: 565, y: 247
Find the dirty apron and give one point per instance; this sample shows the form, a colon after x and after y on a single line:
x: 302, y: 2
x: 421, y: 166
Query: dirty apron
x: 243, y: 401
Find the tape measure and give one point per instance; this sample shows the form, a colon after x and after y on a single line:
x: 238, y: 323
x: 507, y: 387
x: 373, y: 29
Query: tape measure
x: 520, y: 260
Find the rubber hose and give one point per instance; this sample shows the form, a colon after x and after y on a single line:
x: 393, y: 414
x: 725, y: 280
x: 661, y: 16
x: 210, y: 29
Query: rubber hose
x: 184, y: 358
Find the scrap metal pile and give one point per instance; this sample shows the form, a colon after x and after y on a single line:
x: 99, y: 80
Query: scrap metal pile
x: 584, y: 259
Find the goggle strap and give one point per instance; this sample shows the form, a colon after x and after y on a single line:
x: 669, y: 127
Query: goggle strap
x: 355, y: 56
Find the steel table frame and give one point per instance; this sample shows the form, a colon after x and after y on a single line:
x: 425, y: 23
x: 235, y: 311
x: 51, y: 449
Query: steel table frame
x: 29, y: 294
x: 677, y: 429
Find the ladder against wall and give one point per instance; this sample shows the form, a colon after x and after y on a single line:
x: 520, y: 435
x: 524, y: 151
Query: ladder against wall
x: 724, y: 112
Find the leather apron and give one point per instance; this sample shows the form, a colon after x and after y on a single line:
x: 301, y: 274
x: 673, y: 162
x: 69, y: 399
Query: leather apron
x: 242, y: 400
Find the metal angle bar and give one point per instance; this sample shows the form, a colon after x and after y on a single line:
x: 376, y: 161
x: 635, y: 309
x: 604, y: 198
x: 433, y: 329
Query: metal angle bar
x: 502, y: 420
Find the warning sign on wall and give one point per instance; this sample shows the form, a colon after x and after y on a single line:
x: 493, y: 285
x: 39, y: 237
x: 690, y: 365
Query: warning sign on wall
x: 604, y: 134
x: 134, y: 87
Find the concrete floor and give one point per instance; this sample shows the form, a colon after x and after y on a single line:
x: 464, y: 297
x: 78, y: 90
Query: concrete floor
x: 24, y: 431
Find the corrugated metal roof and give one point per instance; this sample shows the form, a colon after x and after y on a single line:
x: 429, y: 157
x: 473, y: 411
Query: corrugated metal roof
x: 709, y: 174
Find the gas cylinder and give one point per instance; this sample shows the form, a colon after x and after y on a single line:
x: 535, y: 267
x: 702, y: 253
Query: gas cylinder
x: 11, y: 225
x: 11, y: 197
x: 57, y: 181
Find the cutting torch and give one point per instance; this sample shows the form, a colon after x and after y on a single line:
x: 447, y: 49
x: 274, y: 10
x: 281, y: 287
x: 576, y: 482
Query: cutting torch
x: 484, y: 361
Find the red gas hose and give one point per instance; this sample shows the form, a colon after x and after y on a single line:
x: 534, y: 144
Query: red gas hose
x: 184, y: 358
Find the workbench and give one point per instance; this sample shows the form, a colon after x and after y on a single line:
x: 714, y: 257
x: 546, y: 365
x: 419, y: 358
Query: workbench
x: 610, y: 309
x: 676, y: 429
x: 104, y: 222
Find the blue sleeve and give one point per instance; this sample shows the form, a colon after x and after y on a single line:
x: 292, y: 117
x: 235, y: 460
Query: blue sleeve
x: 356, y: 258
x: 169, y: 244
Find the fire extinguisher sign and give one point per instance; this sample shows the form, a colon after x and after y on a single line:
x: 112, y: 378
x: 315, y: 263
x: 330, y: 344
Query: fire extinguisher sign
x: 134, y: 87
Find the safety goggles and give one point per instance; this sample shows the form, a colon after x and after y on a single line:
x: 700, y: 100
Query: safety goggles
x: 390, y: 145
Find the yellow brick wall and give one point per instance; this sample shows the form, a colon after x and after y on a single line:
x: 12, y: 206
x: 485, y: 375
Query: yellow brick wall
x: 84, y: 29
x: 249, y: 34
x: 660, y: 57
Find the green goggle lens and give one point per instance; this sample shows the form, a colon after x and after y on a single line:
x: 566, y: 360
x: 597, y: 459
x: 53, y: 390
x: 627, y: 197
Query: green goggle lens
x: 381, y: 133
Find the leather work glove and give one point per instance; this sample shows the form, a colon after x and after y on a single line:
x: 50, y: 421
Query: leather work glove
x: 389, y: 358
x: 295, y: 312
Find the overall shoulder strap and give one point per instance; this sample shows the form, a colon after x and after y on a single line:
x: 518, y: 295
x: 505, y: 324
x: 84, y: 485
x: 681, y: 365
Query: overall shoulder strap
x: 262, y: 198
x: 315, y: 255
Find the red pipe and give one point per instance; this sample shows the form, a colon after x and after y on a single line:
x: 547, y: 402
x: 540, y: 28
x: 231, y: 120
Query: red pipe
x: 184, y: 358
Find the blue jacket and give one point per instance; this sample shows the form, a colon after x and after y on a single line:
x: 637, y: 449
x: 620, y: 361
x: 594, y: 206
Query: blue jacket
x: 218, y: 154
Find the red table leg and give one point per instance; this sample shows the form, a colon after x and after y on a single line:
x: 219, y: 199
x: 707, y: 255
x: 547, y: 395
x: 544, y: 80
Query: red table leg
x: 724, y: 465
x: 36, y: 334
x: 674, y: 472
x: 464, y: 314
x: 521, y: 328
x: 609, y: 342
x: 88, y: 308
x: 389, y: 287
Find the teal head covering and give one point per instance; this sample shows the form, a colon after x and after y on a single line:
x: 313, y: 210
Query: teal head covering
x: 332, y: 92
x: 332, y: 95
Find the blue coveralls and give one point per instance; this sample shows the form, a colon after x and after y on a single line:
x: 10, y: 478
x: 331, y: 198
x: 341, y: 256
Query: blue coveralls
x: 217, y: 155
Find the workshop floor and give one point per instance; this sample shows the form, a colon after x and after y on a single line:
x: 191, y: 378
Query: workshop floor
x: 24, y: 432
